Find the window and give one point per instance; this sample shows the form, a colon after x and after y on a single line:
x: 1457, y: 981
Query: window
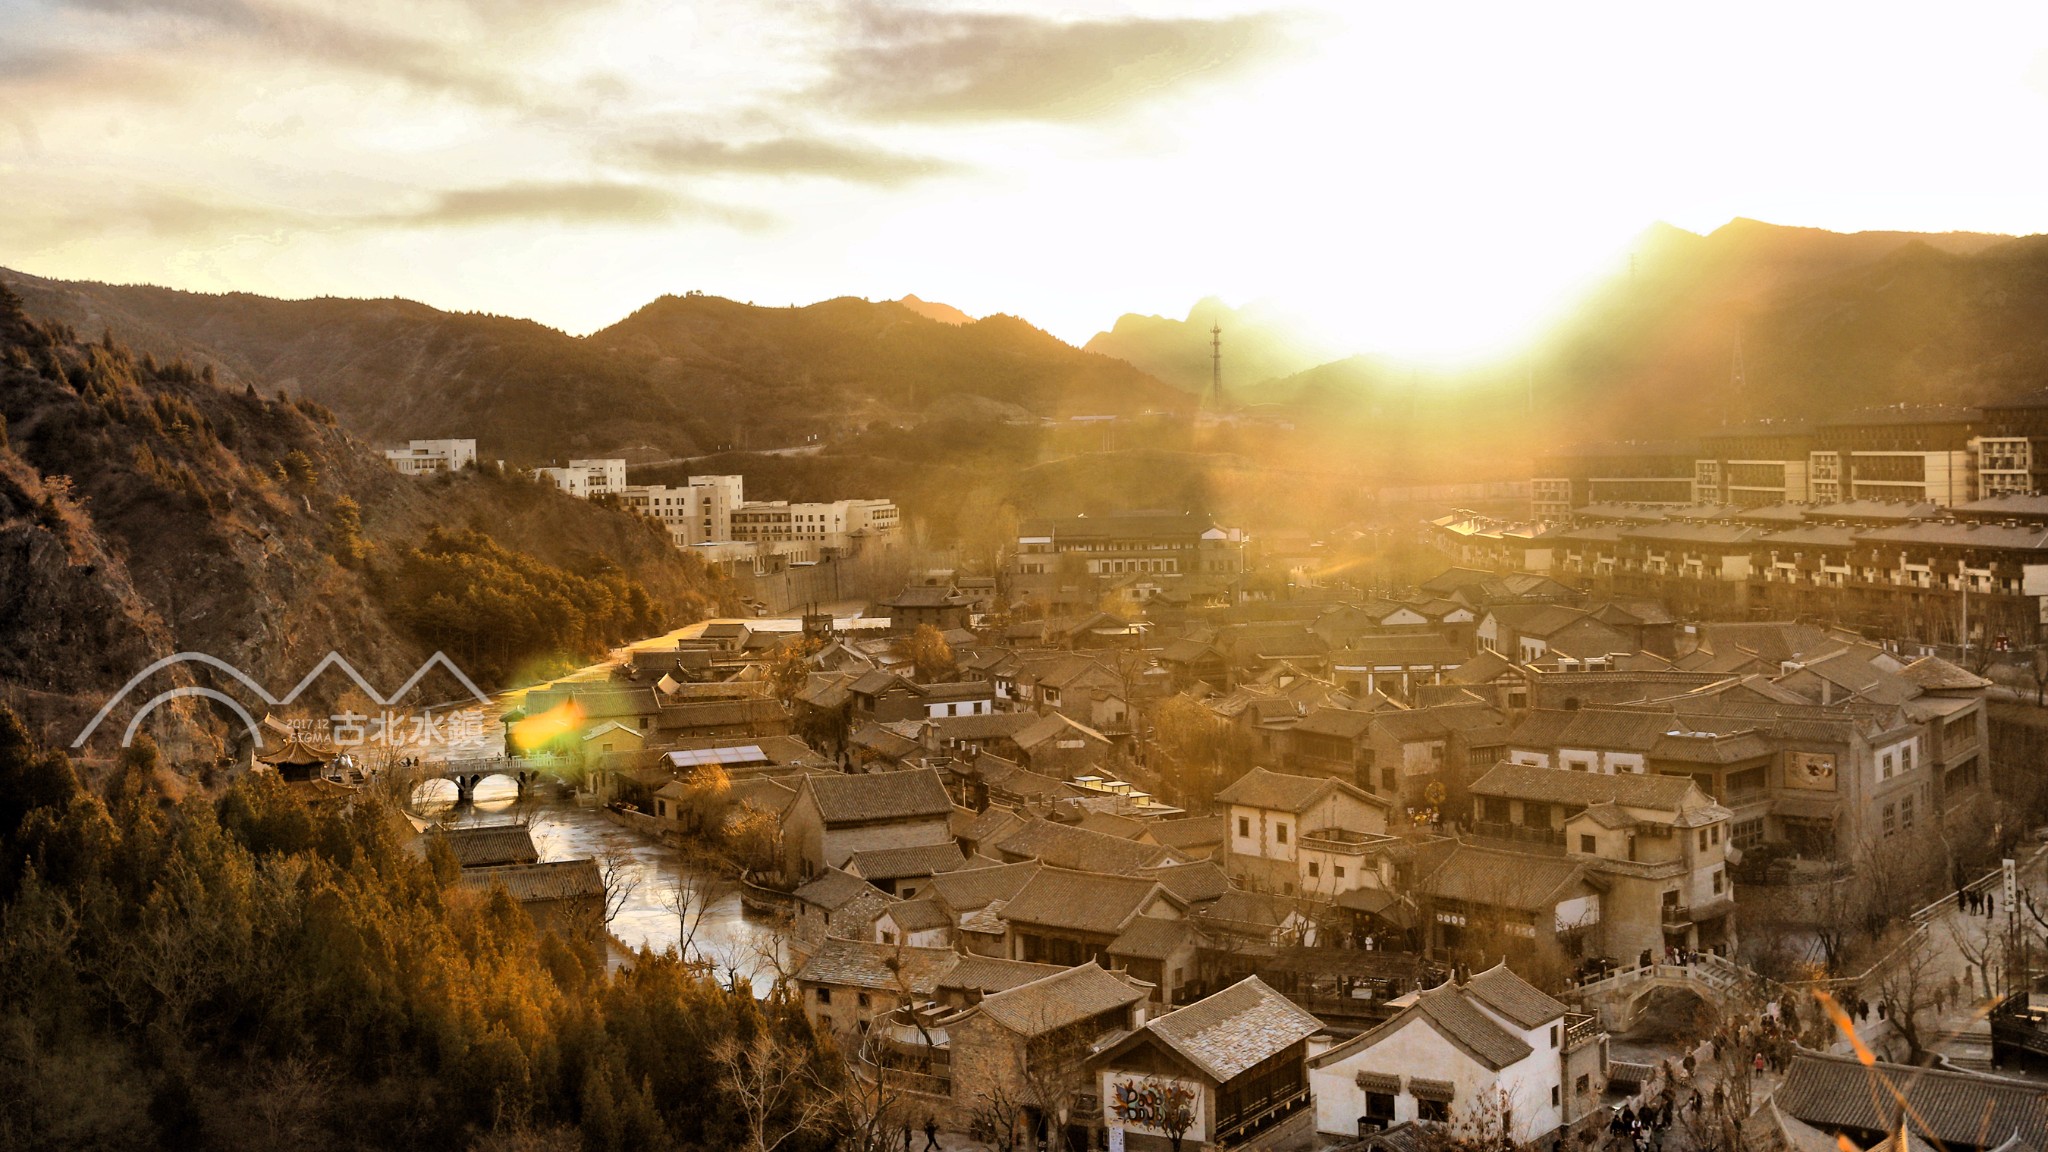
x: 1437, y: 1110
x: 1555, y: 1091
x: 824, y: 995
x: 1379, y: 1106
x: 1387, y: 778
x: 1280, y: 833
x: 1244, y: 826
x: 1891, y: 819
x: 1554, y: 1028
x: 888, y: 937
x: 1340, y: 871
x: 1906, y: 758
x: 1583, y: 1084
x: 1717, y: 833
x: 1885, y: 767
x: 1748, y: 833
x: 1905, y: 813
x: 1703, y: 839
x: 1287, y: 888
x: 1315, y: 869
x: 1720, y: 880
x: 863, y: 999
x: 1590, y: 845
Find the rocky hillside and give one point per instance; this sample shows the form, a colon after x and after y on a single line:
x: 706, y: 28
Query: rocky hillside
x: 680, y: 377
x: 149, y: 507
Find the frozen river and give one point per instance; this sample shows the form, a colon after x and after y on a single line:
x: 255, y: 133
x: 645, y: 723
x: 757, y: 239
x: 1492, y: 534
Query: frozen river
x: 725, y: 935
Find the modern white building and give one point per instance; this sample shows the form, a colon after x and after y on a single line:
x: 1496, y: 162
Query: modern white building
x: 426, y: 457
x: 586, y: 478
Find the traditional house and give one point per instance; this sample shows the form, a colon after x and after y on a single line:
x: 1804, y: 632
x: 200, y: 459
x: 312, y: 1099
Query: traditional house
x: 1655, y: 845
x: 1953, y: 1111
x: 563, y: 896
x: 834, y: 816
x: 1493, y: 1060
x: 1065, y: 916
x: 1211, y: 1075
x: 904, y: 872
x: 845, y: 984
x: 1270, y: 813
x: 1030, y: 1044
x: 836, y: 905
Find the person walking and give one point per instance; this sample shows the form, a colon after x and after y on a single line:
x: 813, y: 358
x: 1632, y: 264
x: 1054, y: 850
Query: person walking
x: 931, y: 1133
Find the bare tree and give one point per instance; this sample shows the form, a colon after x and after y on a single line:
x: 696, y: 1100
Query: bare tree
x: 773, y: 1086
x: 616, y: 870
x: 870, y: 1104
x: 998, y: 1118
x: 1053, y: 1062
x: 1978, y: 942
x: 1905, y: 988
x: 689, y: 900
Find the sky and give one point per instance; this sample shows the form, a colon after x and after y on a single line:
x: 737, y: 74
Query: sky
x: 1423, y: 180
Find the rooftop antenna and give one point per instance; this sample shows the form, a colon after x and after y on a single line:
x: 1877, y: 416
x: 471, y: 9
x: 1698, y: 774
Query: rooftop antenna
x: 1216, y: 365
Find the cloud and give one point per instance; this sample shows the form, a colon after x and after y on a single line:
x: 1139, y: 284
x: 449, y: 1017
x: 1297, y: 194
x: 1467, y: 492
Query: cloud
x: 793, y: 156
x: 579, y: 202
x: 309, y: 34
x: 183, y: 216
x: 918, y: 64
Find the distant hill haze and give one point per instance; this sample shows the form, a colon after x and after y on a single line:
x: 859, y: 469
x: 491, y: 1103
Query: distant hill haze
x: 1828, y: 323
x: 682, y: 376
x: 1257, y: 347
x: 931, y: 310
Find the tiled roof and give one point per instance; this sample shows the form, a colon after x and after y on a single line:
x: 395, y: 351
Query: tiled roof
x: 1961, y: 1109
x: 1061, y: 999
x: 902, y: 863
x: 1235, y: 1029
x: 1191, y: 832
x: 972, y: 888
x: 1151, y: 938
x: 489, y: 844
x: 1513, y: 997
x: 1068, y: 846
x: 867, y: 964
x: 1446, y: 1008
x: 1483, y: 668
x: 1195, y: 883
x: 1502, y: 879
x: 877, y: 796
x: 834, y: 889
x: 529, y: 883
x: 1010, y: 779
x: 987, y: 974
x: 1091, y: 902
x: 1338, y: 722
x: 1934, y: 674
x: 918, y: 915
x: 987, y: 726
x: 1564, y: 786
x: 1279, y: 792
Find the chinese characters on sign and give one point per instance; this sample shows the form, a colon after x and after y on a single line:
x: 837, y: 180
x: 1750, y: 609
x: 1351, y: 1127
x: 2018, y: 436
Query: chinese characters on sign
x: 388, y: 729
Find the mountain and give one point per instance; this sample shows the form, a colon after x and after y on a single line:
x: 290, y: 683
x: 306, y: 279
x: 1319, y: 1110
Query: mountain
x: 682, y: 376
x: 1257, y: 346
x: 1827, y: 322
x: 150, y: 507
x: 931, y: 310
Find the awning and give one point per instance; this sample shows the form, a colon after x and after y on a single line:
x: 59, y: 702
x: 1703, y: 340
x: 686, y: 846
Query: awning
x: 1441, y: 1090
x: 1387, y: 1082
